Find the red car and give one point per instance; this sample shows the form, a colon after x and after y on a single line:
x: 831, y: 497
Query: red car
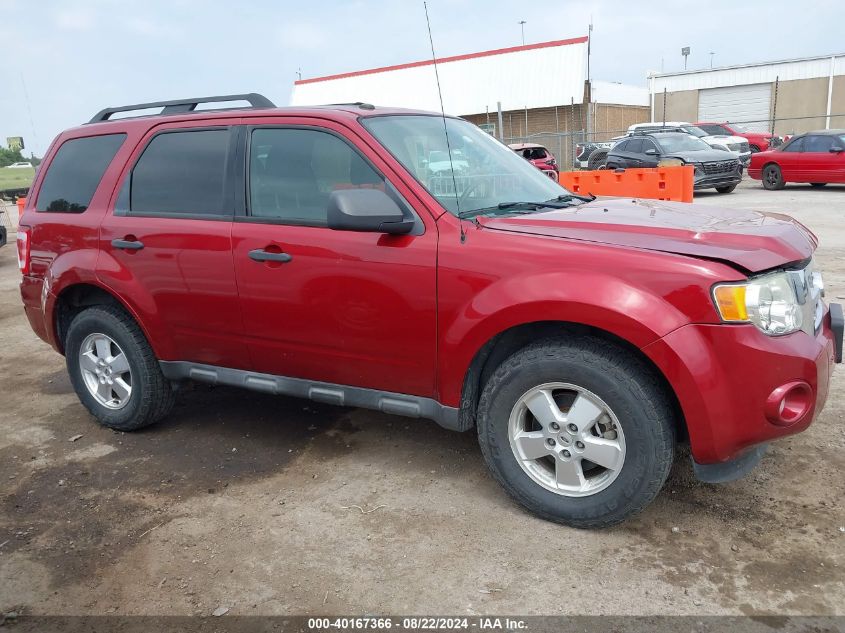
x: 757, y: 141
x: 815, y: 157
x: 538, y: 156
x: 313, y: 252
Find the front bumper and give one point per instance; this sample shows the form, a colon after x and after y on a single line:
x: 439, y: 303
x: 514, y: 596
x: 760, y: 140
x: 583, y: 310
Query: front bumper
x: 718, y: 180
x: 724, y: 377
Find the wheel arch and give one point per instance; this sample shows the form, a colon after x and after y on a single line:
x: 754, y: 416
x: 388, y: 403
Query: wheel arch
x: 504, y: 344
x: 74, y: 298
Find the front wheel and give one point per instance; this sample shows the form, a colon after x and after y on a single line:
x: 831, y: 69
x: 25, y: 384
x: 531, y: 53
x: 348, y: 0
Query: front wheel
x: 114, y: 371
x: 727, y: 189
x: 579, y: 432
x: 772, y: 178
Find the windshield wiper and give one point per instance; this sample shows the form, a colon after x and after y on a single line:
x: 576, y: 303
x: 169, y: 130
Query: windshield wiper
x: 568, y: 197
x: 518, y: 207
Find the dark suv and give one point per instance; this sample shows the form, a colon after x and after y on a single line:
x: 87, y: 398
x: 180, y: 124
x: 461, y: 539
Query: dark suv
x: 315, y: 252
x: 712, y: 169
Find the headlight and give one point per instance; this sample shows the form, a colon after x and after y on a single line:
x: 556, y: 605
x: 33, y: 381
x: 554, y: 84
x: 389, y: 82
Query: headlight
x: 769, y: 302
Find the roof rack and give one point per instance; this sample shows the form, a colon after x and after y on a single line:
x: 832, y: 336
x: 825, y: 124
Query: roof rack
x: 177, y: 106
x: 358, y: 104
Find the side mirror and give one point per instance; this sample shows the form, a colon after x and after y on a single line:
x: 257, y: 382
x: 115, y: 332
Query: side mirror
x: 651, y: 152
x: 370, y: 210
x: 837, y: 150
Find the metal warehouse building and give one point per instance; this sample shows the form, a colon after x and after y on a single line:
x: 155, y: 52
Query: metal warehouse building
x: 543, y: 91
x: 797, y: 94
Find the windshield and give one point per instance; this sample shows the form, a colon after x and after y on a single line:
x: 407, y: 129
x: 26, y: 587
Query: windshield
x: 486, y: 172
x: 682, y: 143
x: 695, y: 131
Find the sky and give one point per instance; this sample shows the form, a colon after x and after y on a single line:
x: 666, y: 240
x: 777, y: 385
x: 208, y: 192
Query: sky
x: 64, y: 61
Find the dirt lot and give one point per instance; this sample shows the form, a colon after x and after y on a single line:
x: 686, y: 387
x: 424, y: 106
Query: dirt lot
x: 277, y: 506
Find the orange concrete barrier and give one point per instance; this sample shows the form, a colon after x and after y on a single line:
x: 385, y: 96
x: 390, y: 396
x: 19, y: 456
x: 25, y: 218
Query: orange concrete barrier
x: 21, y: 202
x: 659, y: 183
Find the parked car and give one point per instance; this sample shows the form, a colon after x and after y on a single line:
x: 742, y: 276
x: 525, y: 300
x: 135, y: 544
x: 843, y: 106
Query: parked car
x: 20, y: 166
x: 727, y: 143
x: 592, y: 155
x: 757, y: 141
x: 713, y: 168
x: 538, y: 156
x: 815, y: 157
x: 307, y: 251
x: 3, y: 236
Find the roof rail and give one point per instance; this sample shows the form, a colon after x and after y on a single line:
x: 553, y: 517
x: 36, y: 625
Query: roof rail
x: 359, y: 104
x: 177, y: 106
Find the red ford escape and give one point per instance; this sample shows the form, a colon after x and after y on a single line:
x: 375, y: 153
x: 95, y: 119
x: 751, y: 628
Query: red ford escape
x: 312, y: 252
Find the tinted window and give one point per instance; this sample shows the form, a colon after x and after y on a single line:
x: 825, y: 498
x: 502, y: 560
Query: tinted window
x: 796, y: 145
x: 635, y: 146
x: 75, y: 172
x: 182, y: 172
x: 819, y: 143
x: 647, y: 145
x: 714, y: 130
x: 622, y: 146
x: 292, y: 173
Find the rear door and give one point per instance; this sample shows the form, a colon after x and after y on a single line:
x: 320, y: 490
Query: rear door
x: 633, y: 153
x: 342, y: 307
x: 165, y: 244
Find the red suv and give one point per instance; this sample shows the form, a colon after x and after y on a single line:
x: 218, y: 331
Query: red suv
x: 757, y: 141
x: 313, y: 252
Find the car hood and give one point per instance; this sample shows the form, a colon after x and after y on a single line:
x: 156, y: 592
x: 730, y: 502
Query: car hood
x: 749, y: 240
x: 703, y: 156
x: 723, y: 139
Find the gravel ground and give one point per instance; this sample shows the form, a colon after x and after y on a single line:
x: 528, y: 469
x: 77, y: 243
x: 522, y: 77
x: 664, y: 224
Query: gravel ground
x: 278, y: 506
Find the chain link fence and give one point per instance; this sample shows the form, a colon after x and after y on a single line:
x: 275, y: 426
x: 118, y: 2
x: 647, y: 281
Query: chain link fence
x: 573, y: 149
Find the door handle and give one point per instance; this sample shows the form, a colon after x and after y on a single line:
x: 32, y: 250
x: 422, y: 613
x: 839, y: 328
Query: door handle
x: 260, y: 255
x: 128, y: 245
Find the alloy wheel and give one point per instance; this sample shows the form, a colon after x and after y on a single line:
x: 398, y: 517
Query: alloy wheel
x: 566, y: 439
x: 105, y: 371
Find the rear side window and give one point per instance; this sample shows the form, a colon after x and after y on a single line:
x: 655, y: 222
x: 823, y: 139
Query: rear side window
x: 797, y: 145
x: 635, y: 146
x: 75, y: 173
x: 182, y: 172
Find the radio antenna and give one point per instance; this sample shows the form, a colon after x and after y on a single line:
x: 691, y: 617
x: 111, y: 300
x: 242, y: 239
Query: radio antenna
x: 445, y: 129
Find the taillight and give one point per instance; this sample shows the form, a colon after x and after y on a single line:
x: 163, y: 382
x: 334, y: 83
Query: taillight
x: 23, y: 249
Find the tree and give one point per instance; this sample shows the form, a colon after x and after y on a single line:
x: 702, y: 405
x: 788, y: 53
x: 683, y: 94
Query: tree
x: 7, y: 157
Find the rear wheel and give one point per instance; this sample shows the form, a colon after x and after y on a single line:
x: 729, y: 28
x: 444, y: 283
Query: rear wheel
x: 726, y: 189
x: 772, y: 178
x: 818, y: 184
x: 597, y: 160
x: 114, y: 371
x: 579, y: 432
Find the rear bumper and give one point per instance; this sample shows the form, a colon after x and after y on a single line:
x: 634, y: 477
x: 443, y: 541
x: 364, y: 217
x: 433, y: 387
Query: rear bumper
x: 728, y: 379
x: 32, y: 291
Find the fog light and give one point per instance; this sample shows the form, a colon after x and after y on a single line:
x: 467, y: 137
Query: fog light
x: 789, y: 403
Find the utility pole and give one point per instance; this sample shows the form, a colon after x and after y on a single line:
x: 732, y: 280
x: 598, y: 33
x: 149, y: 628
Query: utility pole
x: 711, y: 58
x: 522, y: 30
x: 299, y: 73
x: 685, y: 53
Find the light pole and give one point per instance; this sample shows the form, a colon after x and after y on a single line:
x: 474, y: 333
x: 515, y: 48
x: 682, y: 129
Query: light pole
x: 685, y: 53
x: 711, y: 58
x: 522, y: 30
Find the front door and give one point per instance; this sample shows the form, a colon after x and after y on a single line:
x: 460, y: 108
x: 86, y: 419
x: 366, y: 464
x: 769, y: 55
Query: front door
x: 341, y: 307
x: 165, y: 245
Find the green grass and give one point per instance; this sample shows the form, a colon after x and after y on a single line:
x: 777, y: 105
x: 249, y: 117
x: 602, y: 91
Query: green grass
x: 15, y: 178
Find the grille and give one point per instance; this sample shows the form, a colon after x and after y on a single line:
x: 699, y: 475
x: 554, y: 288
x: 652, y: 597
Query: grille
x: 719, y: 167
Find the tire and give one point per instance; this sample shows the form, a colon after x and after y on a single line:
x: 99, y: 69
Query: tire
x: 817, y: 184
x: 603, y: 374
x: 727, y: 189
x: 772, y: 178
x: 103, y: 332
x: 596, y: 160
